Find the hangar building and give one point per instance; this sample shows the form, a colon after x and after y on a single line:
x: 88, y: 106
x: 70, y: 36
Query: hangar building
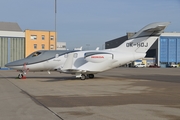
x: 165, y: 51
x: 169, y: 49
x: 12, y: 40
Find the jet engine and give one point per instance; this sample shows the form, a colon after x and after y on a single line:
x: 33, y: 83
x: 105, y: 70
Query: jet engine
x: 98, y: 57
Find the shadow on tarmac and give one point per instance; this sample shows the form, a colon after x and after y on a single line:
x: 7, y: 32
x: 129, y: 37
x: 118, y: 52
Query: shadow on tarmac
x: 54, y: 79
x: 160, y: 78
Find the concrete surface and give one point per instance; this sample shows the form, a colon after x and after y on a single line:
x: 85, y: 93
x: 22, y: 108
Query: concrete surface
x: 118, y: 94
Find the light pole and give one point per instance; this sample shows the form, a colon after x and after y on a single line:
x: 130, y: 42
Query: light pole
x: 55, y: 24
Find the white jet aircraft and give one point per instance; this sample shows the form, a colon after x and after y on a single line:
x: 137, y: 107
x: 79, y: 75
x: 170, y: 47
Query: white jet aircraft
x: 84, y: 64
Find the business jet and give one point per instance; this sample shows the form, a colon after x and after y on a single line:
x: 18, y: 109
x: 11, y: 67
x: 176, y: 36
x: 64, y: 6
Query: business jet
x: 84, y: 64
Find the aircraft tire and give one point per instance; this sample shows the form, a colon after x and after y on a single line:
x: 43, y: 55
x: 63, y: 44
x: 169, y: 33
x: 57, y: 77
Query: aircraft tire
x: 83, y: 77
x: 91, y: 76
x: 20, y: 76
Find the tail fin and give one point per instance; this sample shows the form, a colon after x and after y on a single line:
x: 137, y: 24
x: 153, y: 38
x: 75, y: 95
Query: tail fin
x: 144, y: 38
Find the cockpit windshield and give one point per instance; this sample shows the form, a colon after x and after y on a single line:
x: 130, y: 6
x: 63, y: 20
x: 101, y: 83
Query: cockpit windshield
x: 36, y: 54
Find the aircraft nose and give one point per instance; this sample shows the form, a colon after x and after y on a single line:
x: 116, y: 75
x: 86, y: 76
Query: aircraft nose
x: 10, y: 64
x: 7, y: 65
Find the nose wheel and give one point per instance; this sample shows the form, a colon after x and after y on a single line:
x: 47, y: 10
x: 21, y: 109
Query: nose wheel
x: 20, y: 76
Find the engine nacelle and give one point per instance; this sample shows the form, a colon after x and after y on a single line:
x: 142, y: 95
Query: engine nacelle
x: 97, y: 58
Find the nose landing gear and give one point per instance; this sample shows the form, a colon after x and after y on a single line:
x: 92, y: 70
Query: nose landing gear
x: 23, y: 72
x: 20, y: 76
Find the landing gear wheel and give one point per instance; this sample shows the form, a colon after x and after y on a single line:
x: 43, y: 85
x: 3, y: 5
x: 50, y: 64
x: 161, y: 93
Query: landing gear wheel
x: 20, y: 76
x: 91, y: 76
x: 83, y: 77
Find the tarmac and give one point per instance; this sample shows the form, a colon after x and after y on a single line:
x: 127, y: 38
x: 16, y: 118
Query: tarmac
x: 117, y: 94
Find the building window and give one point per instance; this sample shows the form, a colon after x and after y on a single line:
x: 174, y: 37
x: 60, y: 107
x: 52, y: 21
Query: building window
x: 52, y: 37
x: 35, y: 46
x: 33, y: 37
x: 52, y: 47
x: 43, y: 46
x: 43, y: 37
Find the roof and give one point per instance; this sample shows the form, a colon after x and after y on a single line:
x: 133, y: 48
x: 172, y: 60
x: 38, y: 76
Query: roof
x: 9, y: 26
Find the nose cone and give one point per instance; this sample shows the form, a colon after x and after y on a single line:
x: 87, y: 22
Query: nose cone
x: 7, y: 65
x: 12, y: 64
x: 15, y: 64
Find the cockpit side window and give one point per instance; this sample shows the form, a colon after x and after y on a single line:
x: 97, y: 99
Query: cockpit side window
x: 36, y: 54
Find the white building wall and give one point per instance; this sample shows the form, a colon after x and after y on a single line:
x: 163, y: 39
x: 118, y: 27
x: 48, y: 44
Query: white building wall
x: 170, y: 34
x: 12, y: 34
x: 61, y: 46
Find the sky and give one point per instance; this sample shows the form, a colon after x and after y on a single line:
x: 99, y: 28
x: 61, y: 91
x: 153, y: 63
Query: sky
x: 90, y: 23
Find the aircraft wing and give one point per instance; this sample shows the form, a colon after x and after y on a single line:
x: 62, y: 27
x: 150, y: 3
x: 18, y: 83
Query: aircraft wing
x: 73, y: 71
x: 67, y: 67
x: 69, y: 61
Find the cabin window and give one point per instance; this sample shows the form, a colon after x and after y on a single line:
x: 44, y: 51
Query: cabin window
x: 75, y: 55
x: 36, y: 54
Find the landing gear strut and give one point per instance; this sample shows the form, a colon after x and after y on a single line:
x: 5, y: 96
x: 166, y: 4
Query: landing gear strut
x: 23, y: 72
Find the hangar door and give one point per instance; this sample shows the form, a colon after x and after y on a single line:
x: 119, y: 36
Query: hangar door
x: 11, y: 49
x: 3, y: 51
x: 169, y: 49
x: 17, y: 50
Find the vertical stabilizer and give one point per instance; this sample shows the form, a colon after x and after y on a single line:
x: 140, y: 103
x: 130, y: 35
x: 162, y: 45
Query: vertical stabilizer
x: 144, y: 38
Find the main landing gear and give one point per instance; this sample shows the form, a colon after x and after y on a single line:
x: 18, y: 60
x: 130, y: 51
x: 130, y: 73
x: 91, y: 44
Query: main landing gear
x: 83, y: 76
